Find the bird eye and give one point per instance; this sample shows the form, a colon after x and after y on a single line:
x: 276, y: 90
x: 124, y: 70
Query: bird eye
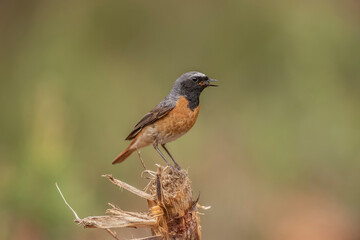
x: 194, y: 79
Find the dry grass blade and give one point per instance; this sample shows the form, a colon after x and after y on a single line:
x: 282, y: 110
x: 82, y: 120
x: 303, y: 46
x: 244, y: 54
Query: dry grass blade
x: 150, y: 238
x: 112, y: 233
x: 76, y: 216
x: 128, y: 187
x: 116, y: 221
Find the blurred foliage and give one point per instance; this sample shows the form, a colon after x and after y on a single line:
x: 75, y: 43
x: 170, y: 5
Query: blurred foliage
x: 275, y: 150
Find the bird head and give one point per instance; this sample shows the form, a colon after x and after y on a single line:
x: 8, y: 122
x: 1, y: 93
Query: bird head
x: 193, y: 83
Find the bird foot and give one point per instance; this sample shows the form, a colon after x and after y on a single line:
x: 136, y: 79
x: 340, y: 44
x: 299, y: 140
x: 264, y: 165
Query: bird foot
x: 177, y: 166
x: 176, y: 169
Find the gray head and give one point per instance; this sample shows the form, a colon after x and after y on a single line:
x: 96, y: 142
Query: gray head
x: 191, y: 84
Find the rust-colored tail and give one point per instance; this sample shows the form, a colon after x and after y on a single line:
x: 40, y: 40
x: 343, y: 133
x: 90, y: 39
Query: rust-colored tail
x: 123, y: 155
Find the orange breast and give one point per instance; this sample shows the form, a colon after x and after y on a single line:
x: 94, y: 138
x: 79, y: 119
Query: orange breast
x: 177, y: 122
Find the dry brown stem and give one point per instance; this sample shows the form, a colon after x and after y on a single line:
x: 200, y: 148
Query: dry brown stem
x: 172, y: 211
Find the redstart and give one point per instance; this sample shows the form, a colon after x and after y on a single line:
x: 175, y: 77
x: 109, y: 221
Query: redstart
x: 171, y: 118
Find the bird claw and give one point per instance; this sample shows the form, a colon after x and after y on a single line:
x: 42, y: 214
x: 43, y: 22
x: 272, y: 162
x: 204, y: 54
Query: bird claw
x: 177, y: 169
x: 177, y: 166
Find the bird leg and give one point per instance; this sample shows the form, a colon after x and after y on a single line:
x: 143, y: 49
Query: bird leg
x: 162, y: 155
x: 176, y: 164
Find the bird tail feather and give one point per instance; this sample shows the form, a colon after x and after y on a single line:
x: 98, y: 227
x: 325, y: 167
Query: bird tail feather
x: 124, y: 154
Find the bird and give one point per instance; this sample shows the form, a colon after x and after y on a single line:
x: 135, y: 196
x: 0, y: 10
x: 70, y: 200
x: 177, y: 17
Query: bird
x: 171, y: 118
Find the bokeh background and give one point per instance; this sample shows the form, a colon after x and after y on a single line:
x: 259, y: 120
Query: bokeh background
x: 275, y: 151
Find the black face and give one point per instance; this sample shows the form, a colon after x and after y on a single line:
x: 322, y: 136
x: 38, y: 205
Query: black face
x: 194, y: 82
x: 200, y: 80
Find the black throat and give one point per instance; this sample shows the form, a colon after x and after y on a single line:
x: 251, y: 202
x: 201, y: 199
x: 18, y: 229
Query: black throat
x: 193, y: 98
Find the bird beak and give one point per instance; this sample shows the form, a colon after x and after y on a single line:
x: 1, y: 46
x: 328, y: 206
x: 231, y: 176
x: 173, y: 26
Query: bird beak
x: 208, y: 83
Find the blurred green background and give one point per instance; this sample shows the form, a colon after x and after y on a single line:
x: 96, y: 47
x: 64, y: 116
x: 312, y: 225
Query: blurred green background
x: 275, y: 150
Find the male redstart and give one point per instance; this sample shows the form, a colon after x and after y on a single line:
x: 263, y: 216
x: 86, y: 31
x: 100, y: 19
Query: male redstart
x: 171, y: 118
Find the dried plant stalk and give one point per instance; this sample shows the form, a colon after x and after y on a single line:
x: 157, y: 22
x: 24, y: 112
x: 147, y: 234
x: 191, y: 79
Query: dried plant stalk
x: 172, y: 211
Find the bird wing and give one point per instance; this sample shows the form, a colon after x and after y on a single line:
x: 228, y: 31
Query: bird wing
x: 158, y: 112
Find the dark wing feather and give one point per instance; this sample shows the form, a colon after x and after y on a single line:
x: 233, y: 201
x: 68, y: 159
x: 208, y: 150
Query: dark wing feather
x: 158, y: 112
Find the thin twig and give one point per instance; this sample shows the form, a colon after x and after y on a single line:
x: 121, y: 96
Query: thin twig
x: 203, y: 207
x: 76, y: 216
x: 129, y: 187
x: 112, y: 233
x: 142, y: 161
x: 150, y: 238
x: 151, y: 173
